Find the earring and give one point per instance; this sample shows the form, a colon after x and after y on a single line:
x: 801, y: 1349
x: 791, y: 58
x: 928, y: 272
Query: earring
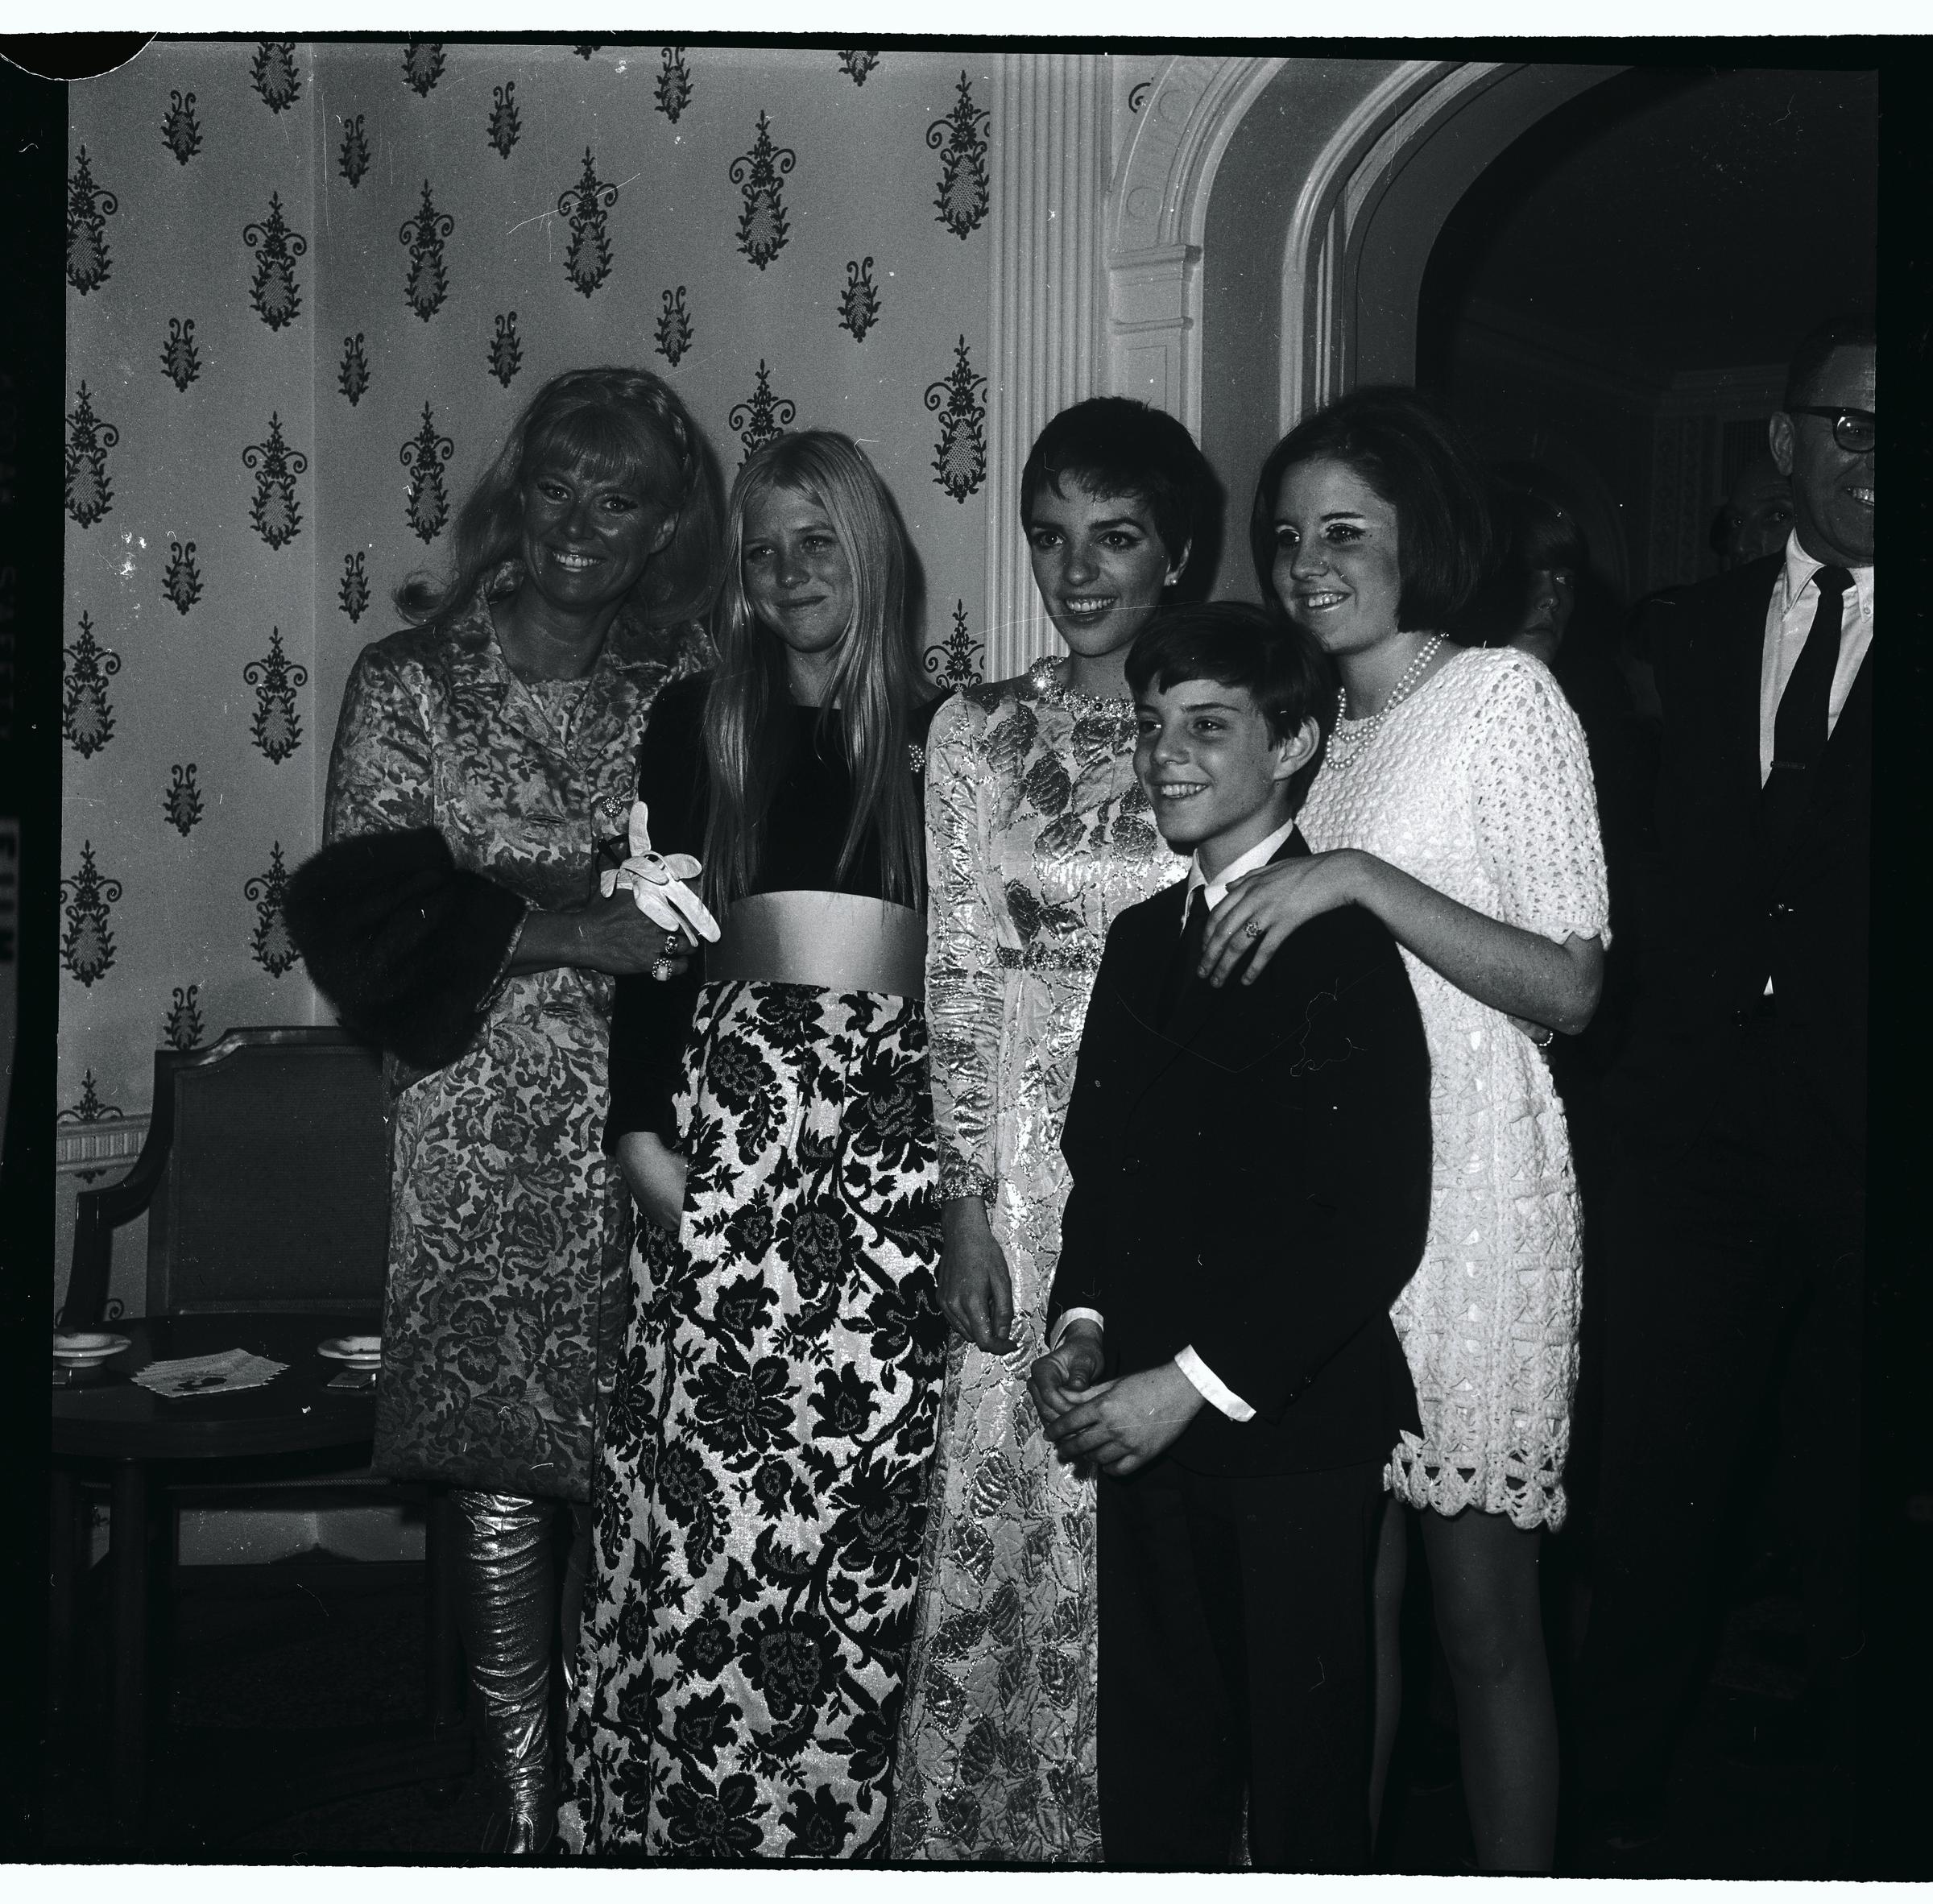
x: 1170, y: 580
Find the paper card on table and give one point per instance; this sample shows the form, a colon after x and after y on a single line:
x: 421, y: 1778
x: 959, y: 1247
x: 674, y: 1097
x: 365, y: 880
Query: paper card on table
x: 209, y: 1375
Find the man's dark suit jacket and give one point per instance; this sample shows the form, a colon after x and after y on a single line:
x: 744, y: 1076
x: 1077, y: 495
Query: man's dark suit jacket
x: 1740, y: 905
x: 1253, y: 1180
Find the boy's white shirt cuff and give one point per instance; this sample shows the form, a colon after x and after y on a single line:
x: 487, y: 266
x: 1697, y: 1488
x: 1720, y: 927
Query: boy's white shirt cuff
x: 1212, y: 1388
x: 1073, y: 1315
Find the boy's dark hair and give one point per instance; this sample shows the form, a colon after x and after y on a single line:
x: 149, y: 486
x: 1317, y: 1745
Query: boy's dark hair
x: 1236, y: 643
x: 1116, y: 446
x: 1416, y: 459
x: 1853, y: 330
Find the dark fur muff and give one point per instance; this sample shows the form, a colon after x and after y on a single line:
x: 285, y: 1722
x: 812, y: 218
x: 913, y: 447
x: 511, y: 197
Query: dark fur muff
x: 403, y: 943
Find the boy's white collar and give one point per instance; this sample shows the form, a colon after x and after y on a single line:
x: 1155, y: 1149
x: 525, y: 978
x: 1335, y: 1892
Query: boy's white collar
x: 1257, y: 856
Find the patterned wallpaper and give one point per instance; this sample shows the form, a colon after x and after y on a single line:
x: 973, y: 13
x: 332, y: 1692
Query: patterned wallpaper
x: 308, y: 287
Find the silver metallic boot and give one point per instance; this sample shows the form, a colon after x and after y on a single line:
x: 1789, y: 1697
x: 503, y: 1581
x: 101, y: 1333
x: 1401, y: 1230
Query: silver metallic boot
x: 506, y: 1608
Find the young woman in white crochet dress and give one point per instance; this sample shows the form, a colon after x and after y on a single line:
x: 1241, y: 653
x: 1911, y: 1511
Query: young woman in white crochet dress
x: 1456, y: 802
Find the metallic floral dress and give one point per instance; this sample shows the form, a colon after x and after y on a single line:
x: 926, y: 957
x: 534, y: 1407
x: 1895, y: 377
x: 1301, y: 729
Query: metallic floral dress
x: 509, y: 1228
x: 1037, y: 837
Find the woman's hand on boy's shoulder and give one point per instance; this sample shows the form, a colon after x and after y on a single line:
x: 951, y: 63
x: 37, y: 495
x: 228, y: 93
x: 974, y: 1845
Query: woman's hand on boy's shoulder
x: 1264, y: 907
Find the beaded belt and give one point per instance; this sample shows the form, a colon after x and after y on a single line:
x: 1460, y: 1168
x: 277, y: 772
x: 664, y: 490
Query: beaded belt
x: 834, y: 942
x: 1041, y: 957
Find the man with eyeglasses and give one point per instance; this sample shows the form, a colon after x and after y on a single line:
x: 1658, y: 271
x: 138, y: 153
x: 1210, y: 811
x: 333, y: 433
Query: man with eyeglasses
x: 1737, y: 1233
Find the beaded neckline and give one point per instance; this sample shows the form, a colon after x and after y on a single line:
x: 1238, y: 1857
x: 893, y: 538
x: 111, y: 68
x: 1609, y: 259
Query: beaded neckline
x: 1045, y: 676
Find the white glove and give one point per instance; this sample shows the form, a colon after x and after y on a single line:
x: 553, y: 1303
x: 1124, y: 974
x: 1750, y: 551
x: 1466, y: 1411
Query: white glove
x: 656, y: 881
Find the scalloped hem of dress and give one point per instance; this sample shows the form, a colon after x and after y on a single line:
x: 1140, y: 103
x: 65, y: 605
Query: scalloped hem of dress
x: 1420, y: 1478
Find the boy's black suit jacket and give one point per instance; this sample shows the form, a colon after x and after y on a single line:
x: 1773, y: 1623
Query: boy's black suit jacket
x: 1253, y: 1180
x: 1742, y: 903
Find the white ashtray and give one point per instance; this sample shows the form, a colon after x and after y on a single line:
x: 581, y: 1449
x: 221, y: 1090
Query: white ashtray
x: 359, y: 1352
x: 84, y: 1349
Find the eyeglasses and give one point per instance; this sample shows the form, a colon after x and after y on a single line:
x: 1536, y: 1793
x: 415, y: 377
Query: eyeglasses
x: 1853, y: 430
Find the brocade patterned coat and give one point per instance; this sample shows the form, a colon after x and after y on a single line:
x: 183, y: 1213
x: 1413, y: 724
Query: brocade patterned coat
x: 509, y: 1228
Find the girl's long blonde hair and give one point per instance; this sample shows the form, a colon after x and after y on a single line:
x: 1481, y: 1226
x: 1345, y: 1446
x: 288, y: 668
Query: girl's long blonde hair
x: 874, y: 681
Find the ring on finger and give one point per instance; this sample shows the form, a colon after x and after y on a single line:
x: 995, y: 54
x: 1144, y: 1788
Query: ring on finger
x: 1254, y: 928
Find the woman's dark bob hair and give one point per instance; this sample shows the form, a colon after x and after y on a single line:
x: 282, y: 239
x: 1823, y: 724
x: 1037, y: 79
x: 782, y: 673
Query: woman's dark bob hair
x: 1116, y: 446
x: 1238, y: 645
x: 1415, y: 459
x: 621, y: 423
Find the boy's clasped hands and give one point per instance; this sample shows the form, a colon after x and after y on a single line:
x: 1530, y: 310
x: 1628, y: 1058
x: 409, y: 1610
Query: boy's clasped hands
x: 1119, y: 1425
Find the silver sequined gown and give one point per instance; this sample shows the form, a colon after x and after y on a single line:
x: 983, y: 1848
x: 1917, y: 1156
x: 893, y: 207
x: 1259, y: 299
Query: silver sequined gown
x: 1037, y: 836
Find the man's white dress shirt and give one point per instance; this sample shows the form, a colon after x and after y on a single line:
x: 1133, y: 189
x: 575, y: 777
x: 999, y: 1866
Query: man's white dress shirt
x: 1789, y: 621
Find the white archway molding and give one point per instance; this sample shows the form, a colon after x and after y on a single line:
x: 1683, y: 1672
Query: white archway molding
x: 1157, y: 214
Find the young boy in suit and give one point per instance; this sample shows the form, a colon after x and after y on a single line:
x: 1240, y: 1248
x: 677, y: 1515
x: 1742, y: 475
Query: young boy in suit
x: 1251, y: 1187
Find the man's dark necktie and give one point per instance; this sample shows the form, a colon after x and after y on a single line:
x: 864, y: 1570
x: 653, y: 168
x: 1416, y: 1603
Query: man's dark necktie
x: 1798, y: 731
x: 1187, y: 955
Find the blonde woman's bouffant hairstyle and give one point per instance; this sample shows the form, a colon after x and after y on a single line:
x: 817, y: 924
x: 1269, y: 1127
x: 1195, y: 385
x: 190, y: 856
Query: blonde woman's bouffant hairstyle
x: 874, y: 681
x: 621, y: 423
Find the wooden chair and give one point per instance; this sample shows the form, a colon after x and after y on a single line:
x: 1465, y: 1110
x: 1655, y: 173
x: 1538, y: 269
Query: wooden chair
x: 265, y: 1177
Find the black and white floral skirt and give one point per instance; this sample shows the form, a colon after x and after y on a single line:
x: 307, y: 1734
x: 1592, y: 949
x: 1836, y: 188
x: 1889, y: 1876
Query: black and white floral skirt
x: 760, y: 1499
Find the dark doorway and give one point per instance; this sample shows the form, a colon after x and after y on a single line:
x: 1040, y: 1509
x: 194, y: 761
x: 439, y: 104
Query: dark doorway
x: 1614, y: 299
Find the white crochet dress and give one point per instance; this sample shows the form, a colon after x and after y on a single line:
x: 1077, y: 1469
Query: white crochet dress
x: 1479, y: 785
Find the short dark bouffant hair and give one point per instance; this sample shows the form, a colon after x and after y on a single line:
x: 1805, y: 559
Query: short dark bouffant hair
x: 1115, y: 446
x: 1416, y: 459
x: 1239, y: 645
x: 1850, y: 330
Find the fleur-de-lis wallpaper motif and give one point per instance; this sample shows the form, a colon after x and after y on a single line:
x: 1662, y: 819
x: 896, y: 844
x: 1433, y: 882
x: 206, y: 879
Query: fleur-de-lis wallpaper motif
x: 89, y: 1109
x: 181, y: 580
x: 674, y: 83
x: 506, y: 350
x: 427, y: 285
x: 859, y: 301
x: 89, y: 493
x: 89, y: 207
x: 505, y: 122
x: 271, y: 943
x: 762, y: 227
x: 86, y: 719
x: 354, y: 594
x: 182, y: 1027
x: 276, y: 729
x: 587, y: 263
x: 275, y: 75
x: 180, y: 129
x: 353, y: 158
x: 181, y: 804
x: 953, y: 664
x: 424, y: 456
x: 179, y: 357
x: 273, y: 510
x: 858, y: 65
x: 761, y: 416
x: 273, y: 291
x: 962, y: 196
x: 959, y: 462
x: 423, y: 65
x: 87, y: 947
x: 674, y: 327
x: 352, y: 375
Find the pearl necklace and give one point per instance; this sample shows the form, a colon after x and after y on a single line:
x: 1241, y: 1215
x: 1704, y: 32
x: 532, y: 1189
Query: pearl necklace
x: 1366, y: 730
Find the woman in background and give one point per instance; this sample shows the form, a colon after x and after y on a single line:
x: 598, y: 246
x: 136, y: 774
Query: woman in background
x: 762, y: 1491
x: 453, y: 917
x: 1454, y: 801
x: 1037, y: 835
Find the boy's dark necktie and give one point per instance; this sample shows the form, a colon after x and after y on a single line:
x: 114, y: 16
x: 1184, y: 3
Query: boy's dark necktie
x: 1187, y: 955
x: 1799, y: 728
